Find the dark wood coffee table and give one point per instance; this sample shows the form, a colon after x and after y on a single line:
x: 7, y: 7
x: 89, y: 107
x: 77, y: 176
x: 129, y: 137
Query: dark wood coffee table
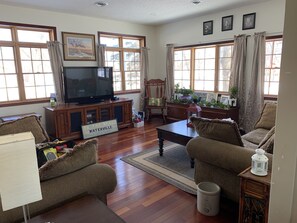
x: 176, y: 132
x: 88, y: 209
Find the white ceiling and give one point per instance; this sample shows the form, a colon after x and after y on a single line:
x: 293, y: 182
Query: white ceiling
x: 150, y: 12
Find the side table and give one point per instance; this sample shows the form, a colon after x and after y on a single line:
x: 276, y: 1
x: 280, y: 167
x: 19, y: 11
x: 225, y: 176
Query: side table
x: 254, y: 197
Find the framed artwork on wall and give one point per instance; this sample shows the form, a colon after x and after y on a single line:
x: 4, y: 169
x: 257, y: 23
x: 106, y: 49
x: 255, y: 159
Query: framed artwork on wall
x: 208, y: 27
x: 78, y: 46
x: 249, y: 21
x: 227, y: 23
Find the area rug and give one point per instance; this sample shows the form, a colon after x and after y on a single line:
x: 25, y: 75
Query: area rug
x: 173, y: 167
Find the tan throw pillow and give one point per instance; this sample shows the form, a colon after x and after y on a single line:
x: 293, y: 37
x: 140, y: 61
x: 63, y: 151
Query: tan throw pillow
x: 267, y: 117
x: 82, y: 155
x: 267, y: 143
x: 26, y: 124
x: 224, y: 131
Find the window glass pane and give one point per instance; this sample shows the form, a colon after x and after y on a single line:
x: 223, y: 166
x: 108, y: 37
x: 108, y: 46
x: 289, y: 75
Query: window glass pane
x: 110, y: 41
x: 278, y: 47
x: 36, y: 53
x: 49, y: 80
x: 37, y: 66
x: 46, y: 66
x: 49, y: 90
x: 5, y: 34
x: 3, y: 95
x: 29, y: 80
x: 25, y: 53
x: 11, y: 81
x: 45, y: 54
x: 40, y: 91
x: 30, y: 92
x: 27, y: 67
x: 273, y: 90
x: 9, y: 67
x: 210, y: 52
x: 131, y: 43
x: 269, y: 47
x: 33, y: 36
x: 7, y: 53
x: 13, y: 94
x: 276, y: 62
x: 39, y: 80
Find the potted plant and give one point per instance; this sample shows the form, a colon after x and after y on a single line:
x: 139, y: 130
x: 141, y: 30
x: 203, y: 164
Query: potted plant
x: 233, y: 95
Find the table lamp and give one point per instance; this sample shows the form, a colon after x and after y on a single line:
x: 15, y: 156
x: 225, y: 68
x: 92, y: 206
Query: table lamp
x: 20, y: 183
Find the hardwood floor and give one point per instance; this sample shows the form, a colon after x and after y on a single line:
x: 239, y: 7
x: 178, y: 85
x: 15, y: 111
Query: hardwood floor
x: 140, y: 197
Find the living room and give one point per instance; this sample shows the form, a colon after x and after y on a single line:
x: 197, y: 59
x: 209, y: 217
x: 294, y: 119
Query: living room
x: 270, y: 18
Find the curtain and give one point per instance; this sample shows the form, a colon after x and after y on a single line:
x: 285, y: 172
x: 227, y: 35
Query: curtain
x: 101, y: 55
x: 143, y: 74
x: 56, y: 60
x: 255, y: 100
x: 169, y: 71
x: 237, y: 76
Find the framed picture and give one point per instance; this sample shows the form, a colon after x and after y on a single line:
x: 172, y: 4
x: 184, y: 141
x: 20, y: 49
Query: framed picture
x: 212, y: 97
x: 79, y: 46
x: 208, y: 27
x: 227, y: 23
x: 225, y: 99
x: 249, y: 21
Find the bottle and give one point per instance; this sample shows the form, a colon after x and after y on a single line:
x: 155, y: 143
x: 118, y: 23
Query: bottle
x: 53, y: 100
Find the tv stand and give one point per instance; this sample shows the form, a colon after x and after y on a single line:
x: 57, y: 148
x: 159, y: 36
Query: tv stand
x: 64, y: 121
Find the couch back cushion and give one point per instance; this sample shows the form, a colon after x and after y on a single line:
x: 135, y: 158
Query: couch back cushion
x: 82, y: 155
x: 267, y: 117
x: 26, y: 124
x: 267, y: 143
x: 221, y: 130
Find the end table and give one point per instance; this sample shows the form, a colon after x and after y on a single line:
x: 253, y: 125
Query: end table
x: 254, y: 197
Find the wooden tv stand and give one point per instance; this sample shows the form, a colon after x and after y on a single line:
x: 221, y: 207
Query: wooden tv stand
x: 64, y: 121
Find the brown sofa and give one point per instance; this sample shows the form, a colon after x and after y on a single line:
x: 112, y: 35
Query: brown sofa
x: 65, y: 178
x: 220, y: 152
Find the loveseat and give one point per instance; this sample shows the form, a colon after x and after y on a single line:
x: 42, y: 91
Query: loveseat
x: 221, y: 153
x: 65, y: 178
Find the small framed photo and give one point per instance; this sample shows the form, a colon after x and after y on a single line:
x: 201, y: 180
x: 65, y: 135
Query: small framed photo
x: 225, y: 99
x: 78, y: 46
x: 208, y: 27
x: 249, y: 21
x: 212, y: 97
x: 227, y: 23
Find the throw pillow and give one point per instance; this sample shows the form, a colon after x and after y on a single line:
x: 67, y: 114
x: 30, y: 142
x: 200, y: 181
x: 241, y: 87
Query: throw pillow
x: 26, y: 124
x: 267, y: 143
x: 224, y: 131
x: 82, y: 155
x: 267, y: 117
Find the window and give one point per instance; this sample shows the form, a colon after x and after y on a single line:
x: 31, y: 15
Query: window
x: 123, y: 54
x: 203, y: 68
x: 25, y: 70
x: 272, y: 66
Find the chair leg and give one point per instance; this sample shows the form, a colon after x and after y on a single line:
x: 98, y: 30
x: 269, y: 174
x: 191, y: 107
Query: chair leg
x: 164, y: 118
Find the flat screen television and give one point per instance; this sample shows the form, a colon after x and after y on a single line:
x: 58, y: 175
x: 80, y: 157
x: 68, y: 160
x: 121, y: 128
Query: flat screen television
x: 86, y: 85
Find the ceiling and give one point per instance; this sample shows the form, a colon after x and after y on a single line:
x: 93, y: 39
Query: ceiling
x: 149, y: 12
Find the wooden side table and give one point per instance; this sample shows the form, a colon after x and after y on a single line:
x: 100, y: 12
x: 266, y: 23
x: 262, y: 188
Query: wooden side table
x: 254, y: 197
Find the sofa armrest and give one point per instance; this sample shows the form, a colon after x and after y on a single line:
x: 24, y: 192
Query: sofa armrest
x: 223, y: 155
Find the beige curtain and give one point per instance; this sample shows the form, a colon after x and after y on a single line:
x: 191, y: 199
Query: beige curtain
x: 143, y: 74
x: 169, y: 71
x: 101, y: 55
x: 55, y: 54
x: 237, y: 76
x: 255, y: 100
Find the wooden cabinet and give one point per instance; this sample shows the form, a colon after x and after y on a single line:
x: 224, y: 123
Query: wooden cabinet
x: 254, y: 197
x: 65, y: 121
x: 177, y: 111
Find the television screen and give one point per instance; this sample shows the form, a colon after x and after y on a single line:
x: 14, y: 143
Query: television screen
x: 88, y: 84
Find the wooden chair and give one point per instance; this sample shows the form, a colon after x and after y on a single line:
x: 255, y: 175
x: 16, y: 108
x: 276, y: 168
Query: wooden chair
x: 155, y: 97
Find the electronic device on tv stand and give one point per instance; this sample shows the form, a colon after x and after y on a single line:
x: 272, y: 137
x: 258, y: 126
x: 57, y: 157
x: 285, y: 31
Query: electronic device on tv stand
x: 87, y: 85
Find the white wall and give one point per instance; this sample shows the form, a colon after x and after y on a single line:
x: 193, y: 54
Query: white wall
x: 283, y: 205
x: 74, y: 23
x: 269, y: 18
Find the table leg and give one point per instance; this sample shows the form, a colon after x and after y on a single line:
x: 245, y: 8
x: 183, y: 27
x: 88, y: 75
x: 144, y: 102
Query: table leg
x: 161, y: 144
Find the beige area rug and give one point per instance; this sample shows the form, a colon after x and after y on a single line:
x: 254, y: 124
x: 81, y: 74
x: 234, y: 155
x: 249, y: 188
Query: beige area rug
x: 173, y: 167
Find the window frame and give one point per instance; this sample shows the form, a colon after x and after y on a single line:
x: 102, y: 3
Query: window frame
x: 121, y: 49
x: 17, y: 58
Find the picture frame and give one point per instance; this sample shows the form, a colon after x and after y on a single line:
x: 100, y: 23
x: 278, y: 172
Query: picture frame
x: 249, y: 21
x: 79, y: 46
x: 212, y: 97
x: 227, y: 23
x: 225, y: 99
x: 208, y: 27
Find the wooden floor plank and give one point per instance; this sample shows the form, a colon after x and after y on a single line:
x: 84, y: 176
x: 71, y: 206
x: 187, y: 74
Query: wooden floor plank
x: 141, y: 197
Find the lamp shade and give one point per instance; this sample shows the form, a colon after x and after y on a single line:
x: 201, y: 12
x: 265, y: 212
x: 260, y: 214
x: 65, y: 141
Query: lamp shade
x: 19, y: 184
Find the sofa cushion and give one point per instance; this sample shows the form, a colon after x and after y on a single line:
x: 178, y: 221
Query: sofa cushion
x: 249, y: 144
x: 255, y: 136
x: 268, y: 141
x: 267, y: 117
x: 26, y: 124
x: 82, y: 155
x: 221, y: 130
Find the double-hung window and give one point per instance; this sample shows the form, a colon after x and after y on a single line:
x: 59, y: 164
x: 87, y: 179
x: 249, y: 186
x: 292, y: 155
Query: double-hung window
x: 123, y: 54
x: 25, y: 70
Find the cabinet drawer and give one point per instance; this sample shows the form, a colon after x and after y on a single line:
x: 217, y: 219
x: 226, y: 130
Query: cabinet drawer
x: 256, y: 189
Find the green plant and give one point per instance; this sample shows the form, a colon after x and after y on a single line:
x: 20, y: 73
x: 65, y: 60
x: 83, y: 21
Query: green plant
x: 233, y: 92
x: 185, y: 91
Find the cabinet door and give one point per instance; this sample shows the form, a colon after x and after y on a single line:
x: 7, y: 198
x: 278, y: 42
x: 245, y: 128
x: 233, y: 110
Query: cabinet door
x: 104, y: 113
x: 128, y: 113
x: 119, y: 112
x: 62, y: 124
x: 75, y: 118
x: 91, y: 115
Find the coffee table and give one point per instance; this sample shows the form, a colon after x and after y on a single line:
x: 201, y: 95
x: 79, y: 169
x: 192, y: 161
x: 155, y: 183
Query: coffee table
x: 176, y: 132
x: 86, y: 209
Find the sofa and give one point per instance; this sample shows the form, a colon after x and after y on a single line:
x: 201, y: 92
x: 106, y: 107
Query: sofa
x: 63, y: 179
x: 221, y: 153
